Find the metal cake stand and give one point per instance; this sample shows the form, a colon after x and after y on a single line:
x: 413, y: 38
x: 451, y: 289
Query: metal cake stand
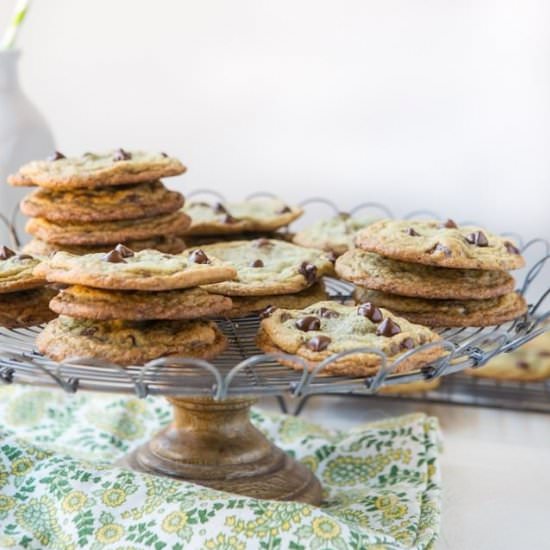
x: 211, y: 440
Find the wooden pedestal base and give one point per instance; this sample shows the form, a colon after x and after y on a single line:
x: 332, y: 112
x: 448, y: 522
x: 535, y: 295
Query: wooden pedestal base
x: 213, y: 443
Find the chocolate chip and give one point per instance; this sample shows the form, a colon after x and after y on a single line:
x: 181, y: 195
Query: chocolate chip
x: 318, y: 343
x: 332, y: 256
x: 219, y: 208
x: 285, y: 316
x: 114, y: 257
x: 309, y: 271
x: 407, y: 343
x: 132, y: 340
x: 267, y: 312
x: 308, y: 323
x: 438, y: 247
x: 124, y: 251
x: 411, y: 232
x: 344, y: 215
x: 121, y: 154
x: 544, y: 353
x: 164, y: 155
x: 257, y: 263
x: 24, y: 257
x: 388, y: 328
x: 370, y: 311
x: 511, y: 248
x: 89, y: 331
x: 449, y: 224
x: 284, y: 210
x: 228, y: 218
x: 261, y: 243
x: 6, y: 253
x: 56, y: 156
x: 524, y: 365
x: 478, y: 238
x: 201, y: 203
x: 327, y: 313
x: 198, y: 257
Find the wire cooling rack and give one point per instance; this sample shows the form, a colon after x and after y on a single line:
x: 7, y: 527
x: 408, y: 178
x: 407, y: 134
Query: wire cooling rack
x: 244, y: 370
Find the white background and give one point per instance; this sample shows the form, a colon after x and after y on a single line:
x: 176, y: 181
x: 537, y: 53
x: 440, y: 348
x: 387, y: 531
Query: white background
x: 416, y: 103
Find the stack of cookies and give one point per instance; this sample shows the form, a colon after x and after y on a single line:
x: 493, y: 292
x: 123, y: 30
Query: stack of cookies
x: 88, y: 204
x: 252, y: 218
x: 23, y: 295
x: 436, y: 274
x: 129, y: 307
x: 270, y: 273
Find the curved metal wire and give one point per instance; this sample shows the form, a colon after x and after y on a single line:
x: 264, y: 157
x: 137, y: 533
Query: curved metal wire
x: 375, y: 205
x: 196, y: 192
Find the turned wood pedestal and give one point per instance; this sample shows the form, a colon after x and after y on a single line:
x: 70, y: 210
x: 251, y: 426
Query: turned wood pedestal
x: 213, y: 443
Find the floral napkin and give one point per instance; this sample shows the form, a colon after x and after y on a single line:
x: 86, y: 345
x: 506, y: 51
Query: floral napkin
x: 58, y: 489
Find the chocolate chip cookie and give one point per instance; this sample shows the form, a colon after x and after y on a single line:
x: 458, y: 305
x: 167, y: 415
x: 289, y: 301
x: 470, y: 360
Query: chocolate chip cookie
x: 246, y: 305
x: 108, y: 305
x: 418, y: 280
x: 123, y: 269
x: 128, y: 342
x: 26, y: 308
x: 411, y: 387
x: 169, y: 244
x: 442, y: 244
x: 529, y: 363
x: 267, y: 267
x: 129, y: 202
x: 17, y: 271
x: 257, y: 214
x: 326, y: 328
x: 333, y: 235
x: 118, y: 167
x: 449, y: 313
x: 90, y: 234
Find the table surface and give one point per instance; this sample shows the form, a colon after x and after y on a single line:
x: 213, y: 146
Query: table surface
x: 495, y: 467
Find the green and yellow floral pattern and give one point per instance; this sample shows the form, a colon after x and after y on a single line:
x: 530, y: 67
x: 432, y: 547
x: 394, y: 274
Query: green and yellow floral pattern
x: 58, y: 489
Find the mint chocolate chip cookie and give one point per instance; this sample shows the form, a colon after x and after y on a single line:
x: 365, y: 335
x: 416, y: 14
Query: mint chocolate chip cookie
x: 17, y: 271
x: 129, y: 343
x: 83, y: 302
x: 117, y: 167
x: 123, y: 269
x: 442, y: 244
x: 259, y: 214
x: 326, y: 328
x: 268, y: 267
x: 418, y: 280
x: 335, y: 234
x: 450, y: 313
x: 142, y: 200
x: 93, y: 234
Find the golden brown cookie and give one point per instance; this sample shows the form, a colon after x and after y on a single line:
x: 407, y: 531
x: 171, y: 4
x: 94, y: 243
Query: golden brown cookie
x: 266, y: 267
x: 258, y: 214
x: 83, y: 302
x: 92, y: 234
x: 442, y: 244
x: 117, y: 167
x: 529, y: 363
x: 127, y: 342
x: 17, y: 271
x: 449, y: 313
x: 26, y: 308
x: 418, y: 280
x: 168, y: 244
x: 246, y: 305
x: 123, y: 269
x: 128, y: 202
x: 326, y: 328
